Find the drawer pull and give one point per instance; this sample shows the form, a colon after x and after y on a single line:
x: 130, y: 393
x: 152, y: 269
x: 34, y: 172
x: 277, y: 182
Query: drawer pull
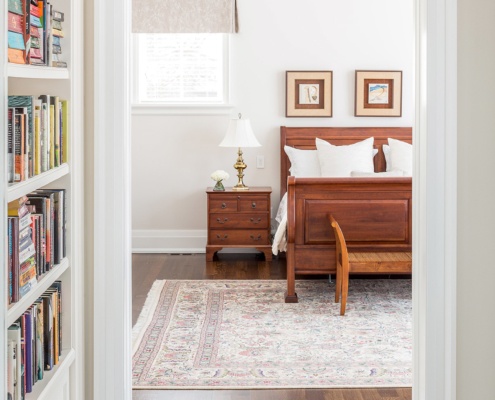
x: 256, y: 238
x: 222, y: 238
x: 224, y: 205
x: 257, y: 221
x: 222, y: 222
x: 253, y: 204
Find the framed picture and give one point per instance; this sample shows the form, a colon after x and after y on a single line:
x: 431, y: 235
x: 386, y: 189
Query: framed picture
x: 378, y: 94
x: 308, y: 94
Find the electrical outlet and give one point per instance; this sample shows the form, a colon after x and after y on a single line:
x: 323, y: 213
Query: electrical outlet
x: 260, y: 161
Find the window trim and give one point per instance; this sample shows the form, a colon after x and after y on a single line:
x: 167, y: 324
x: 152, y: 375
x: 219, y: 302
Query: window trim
x: 180, y: 108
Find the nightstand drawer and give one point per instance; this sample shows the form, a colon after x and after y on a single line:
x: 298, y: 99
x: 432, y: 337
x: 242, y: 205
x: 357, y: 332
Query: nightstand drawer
x: 239, y: 221
x: 225, y: 237
x: 253, y: 203
x: 225, y: 204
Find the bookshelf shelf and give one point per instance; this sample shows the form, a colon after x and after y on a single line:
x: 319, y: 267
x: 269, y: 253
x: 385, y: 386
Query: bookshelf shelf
x: 16, y: 190
x: 36, y: 72
x: 16, y: 309
x: 43, y: 388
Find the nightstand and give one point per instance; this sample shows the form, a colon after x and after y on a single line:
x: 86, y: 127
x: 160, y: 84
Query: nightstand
x: 239, y: 219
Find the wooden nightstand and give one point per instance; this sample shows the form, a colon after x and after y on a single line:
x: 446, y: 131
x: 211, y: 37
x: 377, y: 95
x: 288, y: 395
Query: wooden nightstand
x: 239, y: 219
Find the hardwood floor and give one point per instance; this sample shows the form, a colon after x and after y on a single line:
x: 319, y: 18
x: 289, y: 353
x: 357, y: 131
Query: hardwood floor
x: 149, y: 267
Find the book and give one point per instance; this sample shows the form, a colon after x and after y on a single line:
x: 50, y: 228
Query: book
x: 15, y: 6
x: 35, y: 11
x: 43, y: 207
x: 58, y: 15
x: 14, y: 230
x: 48, y: 313
x: 16, y: 56
x: 58, y: 286
x: 28, y: 103
x: 59, y: 222
x: 65, y: 131
x: 57, y: 32
x: 16, y: 40
x: 35, y: 20
x: 15, y: 23
x: 55, y: 134
x: 39, y: 340
x: 14, y: 334
x: 44, y: 133
x: 11, y: 368
x: 10, y: 145
x: 38, y: 140
x: 27, y: 28
x: 10, y: 260
x: 19, y: 147
x: 28, y: 323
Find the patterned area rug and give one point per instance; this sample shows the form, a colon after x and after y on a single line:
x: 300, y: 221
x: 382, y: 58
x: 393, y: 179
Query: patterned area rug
x: 241, y: 334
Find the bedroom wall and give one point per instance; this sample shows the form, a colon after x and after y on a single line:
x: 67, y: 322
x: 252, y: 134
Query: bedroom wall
x: 174, y: 155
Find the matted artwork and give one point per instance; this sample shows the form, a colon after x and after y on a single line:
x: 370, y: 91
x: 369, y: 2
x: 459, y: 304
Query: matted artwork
x: 378, y: 94
x: 308, y: 94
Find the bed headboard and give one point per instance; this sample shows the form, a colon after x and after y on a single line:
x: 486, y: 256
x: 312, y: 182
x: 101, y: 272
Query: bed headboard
x: 304, y: 138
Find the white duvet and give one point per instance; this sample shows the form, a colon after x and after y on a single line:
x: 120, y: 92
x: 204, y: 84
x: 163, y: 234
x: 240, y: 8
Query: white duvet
x: 280, y: 237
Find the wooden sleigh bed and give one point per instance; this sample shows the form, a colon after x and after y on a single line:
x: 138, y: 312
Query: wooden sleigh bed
x: 375, y: 213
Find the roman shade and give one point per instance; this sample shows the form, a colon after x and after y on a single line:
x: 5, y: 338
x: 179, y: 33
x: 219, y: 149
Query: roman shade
x: 184, y: 16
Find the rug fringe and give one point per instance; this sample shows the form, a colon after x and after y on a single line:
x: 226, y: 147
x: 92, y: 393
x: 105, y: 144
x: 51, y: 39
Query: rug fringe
x: 146, y: 313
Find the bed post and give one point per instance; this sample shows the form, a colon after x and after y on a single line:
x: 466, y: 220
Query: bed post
x: 291, y: 295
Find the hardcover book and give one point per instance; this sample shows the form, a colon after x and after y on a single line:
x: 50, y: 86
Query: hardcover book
x: 15, y: 6
x: 16, y: 40
x: 15, y: 23
x: 16, y: 56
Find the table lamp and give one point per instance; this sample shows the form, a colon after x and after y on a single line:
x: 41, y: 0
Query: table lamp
x: 239, y: 134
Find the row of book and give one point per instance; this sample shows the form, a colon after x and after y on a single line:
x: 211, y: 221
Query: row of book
x: 36, y: 239
x: 34, y: 33
x: 38, y: 135
x: 34, y: 343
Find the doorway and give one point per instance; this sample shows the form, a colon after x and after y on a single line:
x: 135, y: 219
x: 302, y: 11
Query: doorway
x: 434, y: 326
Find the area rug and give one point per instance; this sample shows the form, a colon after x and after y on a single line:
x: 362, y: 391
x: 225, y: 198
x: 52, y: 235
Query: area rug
x: 241, y: 334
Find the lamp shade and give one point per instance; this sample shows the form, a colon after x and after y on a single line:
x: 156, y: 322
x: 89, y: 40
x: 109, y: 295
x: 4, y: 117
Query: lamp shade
x: 239, y: 134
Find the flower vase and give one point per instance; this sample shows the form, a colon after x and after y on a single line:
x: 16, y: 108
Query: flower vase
x: 219, y: 187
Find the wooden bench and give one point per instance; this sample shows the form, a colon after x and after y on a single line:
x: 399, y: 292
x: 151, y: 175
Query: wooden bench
x: 363, y: 262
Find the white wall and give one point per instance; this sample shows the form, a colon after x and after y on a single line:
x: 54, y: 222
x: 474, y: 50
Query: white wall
x: 173, y: 156
x: 476, y: 197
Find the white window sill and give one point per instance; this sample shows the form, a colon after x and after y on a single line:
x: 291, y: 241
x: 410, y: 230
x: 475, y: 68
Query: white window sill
x: 190, y: 109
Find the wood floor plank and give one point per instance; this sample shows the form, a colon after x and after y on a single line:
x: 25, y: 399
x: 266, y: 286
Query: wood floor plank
x: 149, y: 267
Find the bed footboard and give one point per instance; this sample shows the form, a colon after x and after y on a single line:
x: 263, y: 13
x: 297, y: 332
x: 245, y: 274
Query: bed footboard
x: 374, y: 213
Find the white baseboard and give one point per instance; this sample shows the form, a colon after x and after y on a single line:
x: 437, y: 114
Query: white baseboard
x: 175, y: 242
x: 168, y: 241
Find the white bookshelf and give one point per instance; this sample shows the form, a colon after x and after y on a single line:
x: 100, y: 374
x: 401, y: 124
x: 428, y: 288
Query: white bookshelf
x: 65, y: 381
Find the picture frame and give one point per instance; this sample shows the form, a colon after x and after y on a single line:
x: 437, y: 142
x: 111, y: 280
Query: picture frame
x: 309, y: 93
x: 378, y: 94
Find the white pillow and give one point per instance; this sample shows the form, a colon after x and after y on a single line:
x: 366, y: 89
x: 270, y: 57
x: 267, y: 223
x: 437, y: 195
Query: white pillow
x: 377, y: 174
x: 338, y: 161
x: 401, y: 156
x: 303, y: 163
x: 386, y: 153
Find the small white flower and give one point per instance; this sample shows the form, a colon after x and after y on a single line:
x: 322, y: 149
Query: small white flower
x: 219, y: 175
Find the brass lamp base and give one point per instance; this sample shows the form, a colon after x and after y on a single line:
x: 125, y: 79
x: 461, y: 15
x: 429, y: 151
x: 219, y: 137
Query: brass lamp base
x: 240, y: 167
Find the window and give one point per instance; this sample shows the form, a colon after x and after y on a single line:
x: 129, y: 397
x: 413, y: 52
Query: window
x: 185, y: 68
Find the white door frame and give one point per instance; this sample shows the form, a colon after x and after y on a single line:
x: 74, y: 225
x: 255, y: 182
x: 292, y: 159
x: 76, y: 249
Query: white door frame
x: 434, y: 201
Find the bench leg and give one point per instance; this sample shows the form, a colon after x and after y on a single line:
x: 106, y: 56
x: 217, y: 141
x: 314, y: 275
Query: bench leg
x: 345, y: 287
x: 338, y: 282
